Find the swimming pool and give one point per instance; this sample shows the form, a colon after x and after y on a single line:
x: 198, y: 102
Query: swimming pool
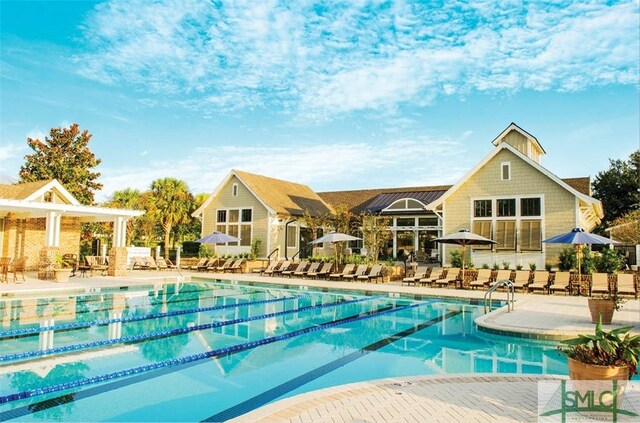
x: 215, y: 350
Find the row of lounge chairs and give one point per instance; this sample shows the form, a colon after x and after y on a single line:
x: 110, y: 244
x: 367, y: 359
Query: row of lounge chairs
x: 323, y: 270
x: 597, y: 283
x: 216, y: 265
x: 149, y: 263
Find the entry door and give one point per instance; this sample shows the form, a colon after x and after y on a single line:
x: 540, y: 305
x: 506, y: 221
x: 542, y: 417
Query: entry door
x: 306, y: 249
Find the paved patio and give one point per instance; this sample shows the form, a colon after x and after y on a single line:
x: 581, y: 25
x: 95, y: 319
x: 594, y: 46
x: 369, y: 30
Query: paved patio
x: 473, y: 398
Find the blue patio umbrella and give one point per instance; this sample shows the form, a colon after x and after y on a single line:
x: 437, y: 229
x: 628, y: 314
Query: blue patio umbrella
x: 217, y: 238
x: 578, y: 237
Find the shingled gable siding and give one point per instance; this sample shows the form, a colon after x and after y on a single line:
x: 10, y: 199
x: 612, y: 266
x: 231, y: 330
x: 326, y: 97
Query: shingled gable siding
x: 559, y: 204
x: 244, y: 199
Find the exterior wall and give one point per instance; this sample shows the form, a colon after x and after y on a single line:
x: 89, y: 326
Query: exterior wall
x: 244, y: 199
x: 25, y: 237
x: 558, y: 207
x: 518, y: 141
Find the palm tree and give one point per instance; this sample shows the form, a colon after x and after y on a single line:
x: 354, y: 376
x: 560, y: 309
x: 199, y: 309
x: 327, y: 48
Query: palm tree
x: 172, y: 203
x: 127, y: 199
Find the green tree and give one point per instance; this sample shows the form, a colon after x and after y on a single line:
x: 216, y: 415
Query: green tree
x: 172, y: 204
x: 618, y: 188
x: 127, y: 199
x: 374, y: 234
x: 64, y: 155
x: 627, y: 228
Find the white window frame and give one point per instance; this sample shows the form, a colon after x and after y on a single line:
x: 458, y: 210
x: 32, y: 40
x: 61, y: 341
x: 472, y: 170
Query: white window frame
x: 239, y: 223
x: 297, y: 238
x: 518, y: 217
x: 502, y: 165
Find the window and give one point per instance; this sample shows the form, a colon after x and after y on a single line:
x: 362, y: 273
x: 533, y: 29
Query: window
x: 48, y: 197
x: 245, y: 235
x: 234, y: 190
x: 530, y: 207
x: 292, y: 236
x: 427, y: 221
x: 506, y: 234
x: 234, y: 215
x: 482, y: 228
x: 233, y: 231
x: 246, y: 215
x: 222, y: 228
x: 505, y: 171
x: 222, y: 216
x: 405, y: 221
x: 482, y: 208
x: 530, y: 235
x: 506, y: 208
x: 413, y: 204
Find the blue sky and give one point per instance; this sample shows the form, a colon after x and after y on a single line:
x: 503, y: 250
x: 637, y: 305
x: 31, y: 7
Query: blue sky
x: 337, y: 95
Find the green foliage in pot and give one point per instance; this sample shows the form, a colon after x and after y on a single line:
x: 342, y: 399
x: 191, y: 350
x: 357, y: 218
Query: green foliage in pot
x: 456, y: 259
x: 532, y: 267
x: 606, y: 348
x: 63, y: 263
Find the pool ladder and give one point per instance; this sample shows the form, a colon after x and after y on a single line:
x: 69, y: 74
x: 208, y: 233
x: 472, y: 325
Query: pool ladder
x: 510, y: 289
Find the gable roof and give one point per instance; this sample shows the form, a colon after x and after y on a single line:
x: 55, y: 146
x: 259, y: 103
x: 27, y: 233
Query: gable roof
x: 278, y: 196
x: 31, y: 191
x: 596, y: 204
x: 513, y: 127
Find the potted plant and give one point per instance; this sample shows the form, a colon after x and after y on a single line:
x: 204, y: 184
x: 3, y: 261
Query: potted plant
x: 62, y: 269
x: 611, y: 355
x: 603, y: 307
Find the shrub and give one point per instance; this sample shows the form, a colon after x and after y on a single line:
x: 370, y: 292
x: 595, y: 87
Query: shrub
x: 456, y: 260
x: 567, y: 259
x: 548, y: 267
x: 532, y: 267
x: 204, y: 251
x: 485, y: 266
x: 519, y: 267
x: 609, y: 261
x: 505, y: 265
x: 496, y: 266
x: 190, y: 248
x: 587, y: 262
x: 255, y: 248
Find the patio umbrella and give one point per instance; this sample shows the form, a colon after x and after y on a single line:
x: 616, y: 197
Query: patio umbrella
x: 334, y: 237
x: 577, y: 237
x: 463, y: 238
x: 217, y: 238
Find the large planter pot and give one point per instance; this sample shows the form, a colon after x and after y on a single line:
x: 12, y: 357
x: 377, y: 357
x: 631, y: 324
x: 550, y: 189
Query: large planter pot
x: 581, y: 371
x: 62, y: 275
x: 601, y: 306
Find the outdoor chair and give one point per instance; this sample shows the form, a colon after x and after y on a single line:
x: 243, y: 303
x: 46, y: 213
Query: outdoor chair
x: 561, y: 282
x: 270, y: 268
x: 435, y: 274
x: 162, y: 264
x: 482, y: 280
x: 599, y: 283
x: 210, y: 264
x: 451, y: 277
x: 312, y: 268
x: 348, y: 269
x: 627, y: 284
x: 360, y: 270
x: 199, y: 264
x: 236, y: 266
x: 151, y: 263
x: 521, y: 279
x: 421, y: 272
x: 228, y: 262
x: 277, y: 270
x: 95, y: 266
x: 300, y: 268
x: 19, y: 266
x: 374, y: 273
x: 169, y: 263
x: 4, y: 269
x: 501, y: 275
x: 323, y: 272
x: 540, y: 281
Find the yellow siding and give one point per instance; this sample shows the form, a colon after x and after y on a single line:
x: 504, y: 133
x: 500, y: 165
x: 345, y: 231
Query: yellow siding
x: 517, y: 141
x: 244, y: 199
x: 559, y: 205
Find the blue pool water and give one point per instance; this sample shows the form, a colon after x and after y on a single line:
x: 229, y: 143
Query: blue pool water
x: 213, y: 350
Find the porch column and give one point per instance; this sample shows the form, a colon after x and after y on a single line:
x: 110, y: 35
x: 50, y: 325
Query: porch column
x: 51, y: 246
x: 118, y: 252
x: 52, y: 229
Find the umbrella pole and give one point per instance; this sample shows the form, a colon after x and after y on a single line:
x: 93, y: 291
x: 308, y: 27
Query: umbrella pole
x: 579, y: 269
x: 462, y: 283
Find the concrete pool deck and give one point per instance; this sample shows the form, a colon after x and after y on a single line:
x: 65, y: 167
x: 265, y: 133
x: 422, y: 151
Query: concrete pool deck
x: 472, y: 398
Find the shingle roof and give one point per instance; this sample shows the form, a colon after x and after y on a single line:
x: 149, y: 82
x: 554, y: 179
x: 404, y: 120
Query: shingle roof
x: 286, y: 198
x: 358, y: 200
x: 582, y: 185
x: 384, y: 200
x: 21, y: 191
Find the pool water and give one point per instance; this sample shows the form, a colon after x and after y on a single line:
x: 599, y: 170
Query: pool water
x: 215, y: 350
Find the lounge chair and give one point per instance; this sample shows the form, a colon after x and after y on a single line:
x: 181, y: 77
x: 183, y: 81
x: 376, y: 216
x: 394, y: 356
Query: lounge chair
x: 299, y: 268
x: 236, y: 266
x: 420, y: 273
x: 95, y: 266
x: 360, y: 270
x: 436, y: 273
x: 199, y: 264
x: 482, y: 280
x: 451, y: 277
x: 374, y: 273
x: 324, y: 272
x: 627, y: 284
x: 312, y: 268
x: 348, y: 269
x: 270, y: 268
x: 540, y: 281
x: 521, y: 280
x: 139, y: 263
x: 502, y: 275
x: 151, y: 263
x: 561, y: 282
x: 599, y: 283
x: 210, y: 264
x: 228, y: 262
x: 277, y: 270
x: 19, y: 266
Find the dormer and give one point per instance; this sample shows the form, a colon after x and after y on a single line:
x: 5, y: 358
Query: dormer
x: 522, y: 141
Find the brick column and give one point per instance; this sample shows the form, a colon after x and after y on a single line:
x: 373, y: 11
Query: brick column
x: 118, y: 261
x: 46, y: 262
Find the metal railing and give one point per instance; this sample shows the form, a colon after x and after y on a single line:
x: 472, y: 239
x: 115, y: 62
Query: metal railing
x: 510, y: 289
x: 293, y: 258
x: 273, y: 252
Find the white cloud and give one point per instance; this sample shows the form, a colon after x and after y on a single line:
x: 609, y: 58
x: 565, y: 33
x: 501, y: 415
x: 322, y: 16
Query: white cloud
x: 322, y: 58
x: 11, y: 151
x: 323, y: 167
